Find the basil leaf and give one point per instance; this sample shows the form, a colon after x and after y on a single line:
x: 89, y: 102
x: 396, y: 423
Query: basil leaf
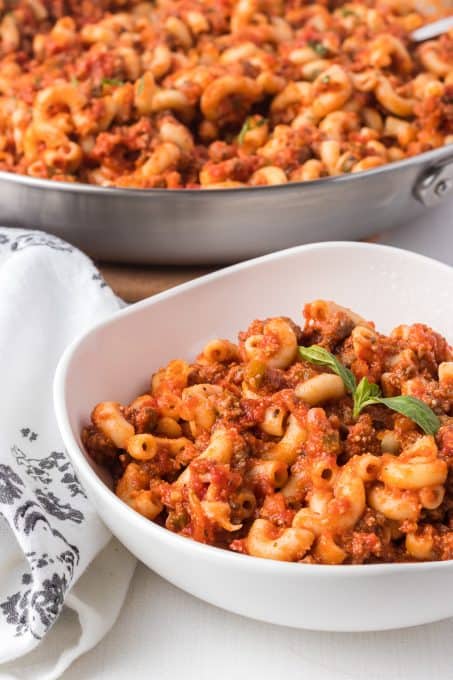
x: 364, y: 395
x: 250, y: 124
x: 115, y: 82
x: 244, y: 129
x: 321, y: 357
x: 367, y: 393
x: 415, y: 409
x: 318, y: 47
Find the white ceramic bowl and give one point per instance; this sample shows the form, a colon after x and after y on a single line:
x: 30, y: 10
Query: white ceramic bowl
x: 116, y: 358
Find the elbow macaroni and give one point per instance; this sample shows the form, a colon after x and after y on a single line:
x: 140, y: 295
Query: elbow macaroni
x: 201, y: 94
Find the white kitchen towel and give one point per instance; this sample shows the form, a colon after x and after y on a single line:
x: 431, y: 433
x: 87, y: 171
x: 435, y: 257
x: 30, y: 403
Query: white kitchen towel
x: 49, y: 533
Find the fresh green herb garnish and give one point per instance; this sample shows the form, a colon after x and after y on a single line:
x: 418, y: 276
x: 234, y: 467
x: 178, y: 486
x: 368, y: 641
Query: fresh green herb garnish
x: 348, y: 164
x: 115, y: 82
x: 345, y: 12
x: 408, y: 406
x: 366, y: 394
x: 140, y: 86
x: 244, y: 129
x: 321, y: 357
x: 318, y: 47
x: 325, y: 79
x: 250, y: 124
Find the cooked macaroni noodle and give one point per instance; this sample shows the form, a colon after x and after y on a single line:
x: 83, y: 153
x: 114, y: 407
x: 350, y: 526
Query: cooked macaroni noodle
x: 253, y: 449
x: 217, y: 93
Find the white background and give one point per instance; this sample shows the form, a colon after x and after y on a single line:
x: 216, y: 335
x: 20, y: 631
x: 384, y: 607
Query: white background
x: 165, y: 634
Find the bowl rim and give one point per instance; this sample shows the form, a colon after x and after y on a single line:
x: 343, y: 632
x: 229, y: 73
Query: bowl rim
x: 78, y: 459
x: 439, y: 155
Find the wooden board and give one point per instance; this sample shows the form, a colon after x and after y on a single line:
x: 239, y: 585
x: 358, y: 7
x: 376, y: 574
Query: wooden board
x: 135, y: 283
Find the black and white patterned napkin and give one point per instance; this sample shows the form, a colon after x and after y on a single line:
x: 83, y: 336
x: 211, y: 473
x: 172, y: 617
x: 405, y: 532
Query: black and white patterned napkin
x: 49, y: 533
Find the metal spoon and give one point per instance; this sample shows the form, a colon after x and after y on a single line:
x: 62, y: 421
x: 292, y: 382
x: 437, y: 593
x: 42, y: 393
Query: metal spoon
x: 432, y: 30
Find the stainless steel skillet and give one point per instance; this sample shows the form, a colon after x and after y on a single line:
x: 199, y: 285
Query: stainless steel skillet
x: 210, y: 226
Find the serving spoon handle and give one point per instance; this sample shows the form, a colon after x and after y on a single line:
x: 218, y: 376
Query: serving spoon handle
x: 432, y: 30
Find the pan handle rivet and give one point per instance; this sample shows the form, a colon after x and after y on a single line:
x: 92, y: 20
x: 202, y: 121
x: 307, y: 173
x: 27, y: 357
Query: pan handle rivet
x: 435, y: 183
x: 442, y: 187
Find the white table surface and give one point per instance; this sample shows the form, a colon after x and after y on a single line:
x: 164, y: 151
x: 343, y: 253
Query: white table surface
x: 165, y: 634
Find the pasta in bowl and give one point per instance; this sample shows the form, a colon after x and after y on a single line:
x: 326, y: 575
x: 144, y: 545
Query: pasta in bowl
x: 257, y: 448
x: 339, y: 465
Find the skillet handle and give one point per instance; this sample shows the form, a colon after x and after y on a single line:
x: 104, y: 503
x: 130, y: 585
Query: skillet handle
x: 435, y: 183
